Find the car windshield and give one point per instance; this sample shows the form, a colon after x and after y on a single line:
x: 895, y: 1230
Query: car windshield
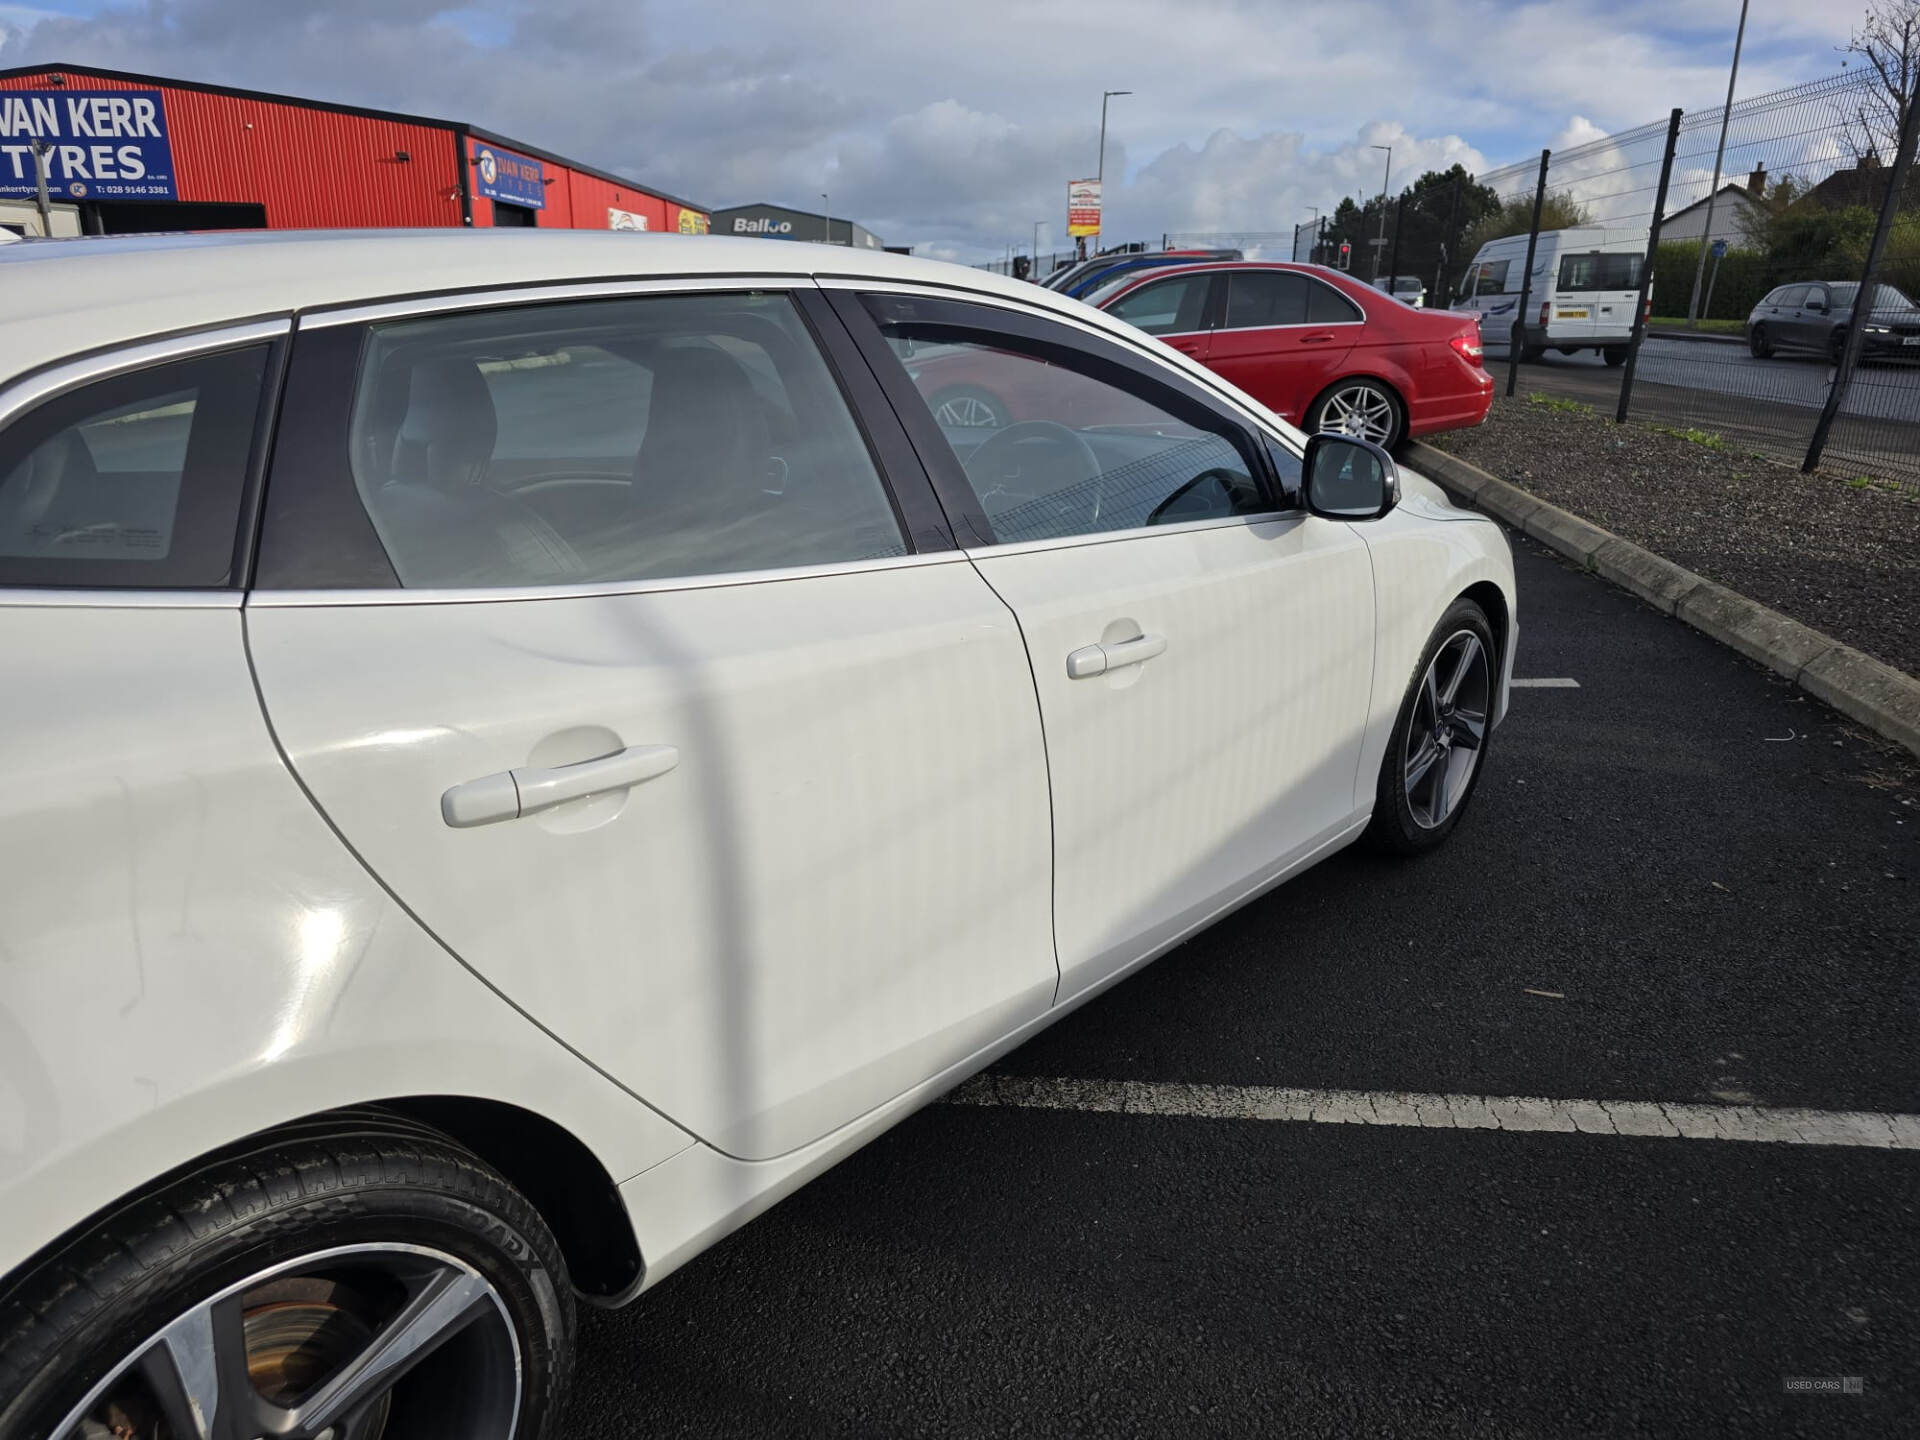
x: 1107, y: 288
x: 1886, y: 297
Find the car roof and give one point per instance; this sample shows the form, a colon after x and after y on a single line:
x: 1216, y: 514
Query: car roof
x: 69, y: 297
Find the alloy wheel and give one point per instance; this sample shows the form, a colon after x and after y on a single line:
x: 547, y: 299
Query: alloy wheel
x: 1360, y: 410
x: 1447, y: 730
x: 322, y: 1347
x: 965, y: 411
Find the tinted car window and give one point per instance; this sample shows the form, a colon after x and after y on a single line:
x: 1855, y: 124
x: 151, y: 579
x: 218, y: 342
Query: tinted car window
x: 1067, y: 453
x: 611, y: 440
x: 133, y: 480
x: 1599, y: 272
x: 1265, y: 297
x: 1792, y: 296
x: 1165, y: 307
x: 1327, y: 306
x: 1489, y: 277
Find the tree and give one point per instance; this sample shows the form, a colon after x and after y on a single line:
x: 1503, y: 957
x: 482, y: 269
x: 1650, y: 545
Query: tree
x: 1515, y: 217
x: 1888, y: 45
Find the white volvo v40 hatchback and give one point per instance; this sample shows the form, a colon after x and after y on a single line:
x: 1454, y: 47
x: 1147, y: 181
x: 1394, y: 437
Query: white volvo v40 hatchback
x: 521, y: 749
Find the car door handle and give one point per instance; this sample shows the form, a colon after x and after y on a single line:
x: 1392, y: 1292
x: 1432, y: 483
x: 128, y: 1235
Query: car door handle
x: 1316, y: 339
x: 513, y: 794
x: 1187, y: 347
x: 1091, y: 660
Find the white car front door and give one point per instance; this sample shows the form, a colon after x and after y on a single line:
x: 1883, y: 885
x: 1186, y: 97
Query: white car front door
x: 1203, y: 653
x: 643, y: 701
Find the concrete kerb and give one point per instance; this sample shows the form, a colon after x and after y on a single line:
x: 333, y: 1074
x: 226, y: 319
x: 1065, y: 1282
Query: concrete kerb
x: 1885, y: 700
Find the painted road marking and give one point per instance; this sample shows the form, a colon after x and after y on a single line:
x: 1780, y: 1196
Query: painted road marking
x: 1448, y: 1112
x: 1558, y: 683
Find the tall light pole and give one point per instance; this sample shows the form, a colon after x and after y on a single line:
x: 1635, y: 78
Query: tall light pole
x: 826, y: 220
x: 1100, y: 173
x: 1034, y: 274
x: 1385, y: 180
x: 1314, y: 248
x: 1706, y: 235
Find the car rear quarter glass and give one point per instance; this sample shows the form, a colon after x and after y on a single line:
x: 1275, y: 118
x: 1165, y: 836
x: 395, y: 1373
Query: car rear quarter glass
x: 132, y: 481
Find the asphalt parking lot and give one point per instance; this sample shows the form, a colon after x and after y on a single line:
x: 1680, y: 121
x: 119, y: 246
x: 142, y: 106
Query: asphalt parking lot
x: 1681, y: 882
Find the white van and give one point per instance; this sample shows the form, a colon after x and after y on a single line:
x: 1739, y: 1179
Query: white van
x: 1585, y: 285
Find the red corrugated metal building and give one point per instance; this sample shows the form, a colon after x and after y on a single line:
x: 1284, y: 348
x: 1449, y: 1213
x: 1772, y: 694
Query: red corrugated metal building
x: 140, y: 153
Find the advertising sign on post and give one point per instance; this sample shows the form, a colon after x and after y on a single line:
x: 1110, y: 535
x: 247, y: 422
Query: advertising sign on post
x: 106, y: 144
x: 1083, y: 207
x: 513, y: 178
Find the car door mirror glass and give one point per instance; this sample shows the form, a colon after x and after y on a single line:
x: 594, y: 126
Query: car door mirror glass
x: 1817, y: 307
x: 1347, y: 478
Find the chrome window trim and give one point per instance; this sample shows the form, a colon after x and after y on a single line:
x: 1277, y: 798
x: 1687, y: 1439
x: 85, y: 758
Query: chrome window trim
x: 1138, y: 532
x: 1154, y: 349
x: 57, y: 379
x: 451, y: 302
x: 481, y: 595
x: 53, y: 598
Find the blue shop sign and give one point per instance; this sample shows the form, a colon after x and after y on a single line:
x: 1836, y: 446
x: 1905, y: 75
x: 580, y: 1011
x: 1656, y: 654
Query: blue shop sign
x: 105, y: 144
x: 502, y: 175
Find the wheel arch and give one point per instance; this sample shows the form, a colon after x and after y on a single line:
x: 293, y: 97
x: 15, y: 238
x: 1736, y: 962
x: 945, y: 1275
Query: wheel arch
x: 559, y: 1175
x: 1490, y: 598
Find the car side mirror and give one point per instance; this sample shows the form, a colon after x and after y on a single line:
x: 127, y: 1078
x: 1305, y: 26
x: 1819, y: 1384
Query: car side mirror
x: 1817, y: 307
x: 1346, y: 478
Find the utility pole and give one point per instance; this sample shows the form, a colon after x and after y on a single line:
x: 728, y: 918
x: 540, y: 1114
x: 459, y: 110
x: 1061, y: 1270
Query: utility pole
x: 1100, y: 171
x: 826, y: 220
x: 1706, y: 235
x: 1036, y: 249
x: 1385, y: 181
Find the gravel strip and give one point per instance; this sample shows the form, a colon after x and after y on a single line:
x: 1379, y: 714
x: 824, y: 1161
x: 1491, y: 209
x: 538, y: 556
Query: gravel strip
x: 1844, y: 560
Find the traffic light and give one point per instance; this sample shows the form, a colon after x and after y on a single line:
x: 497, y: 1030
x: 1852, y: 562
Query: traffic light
x: 1346, y: 255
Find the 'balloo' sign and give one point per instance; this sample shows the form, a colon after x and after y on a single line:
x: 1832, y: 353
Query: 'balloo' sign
x: 102, y: 144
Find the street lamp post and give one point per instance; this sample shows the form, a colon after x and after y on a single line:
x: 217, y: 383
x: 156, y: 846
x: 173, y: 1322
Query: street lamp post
x: 1313, y: 250
x: 1385, y: 181
x: 1713, y: 192
x: 826, y: 220
x: 1034, y: 274
x: 1100, y: 172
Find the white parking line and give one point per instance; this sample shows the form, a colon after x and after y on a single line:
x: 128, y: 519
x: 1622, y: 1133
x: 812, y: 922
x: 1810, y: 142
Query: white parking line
x: 1556, y: 683
x: 1448, y: 1112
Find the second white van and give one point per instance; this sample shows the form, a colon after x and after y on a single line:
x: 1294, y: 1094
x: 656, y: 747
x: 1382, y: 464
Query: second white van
x: 1586, y: 283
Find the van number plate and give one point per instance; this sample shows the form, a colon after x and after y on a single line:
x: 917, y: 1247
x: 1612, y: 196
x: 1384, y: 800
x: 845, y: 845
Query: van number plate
x: 1569, y: 314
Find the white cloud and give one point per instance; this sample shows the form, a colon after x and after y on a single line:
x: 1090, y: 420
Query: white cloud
x: 955, y: 126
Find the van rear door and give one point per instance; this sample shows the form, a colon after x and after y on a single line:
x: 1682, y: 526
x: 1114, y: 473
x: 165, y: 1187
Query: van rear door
x: 1595, y: 296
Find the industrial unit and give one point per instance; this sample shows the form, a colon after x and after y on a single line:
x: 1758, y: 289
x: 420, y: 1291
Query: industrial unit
x: 768, y: 221
x: 138, y: 153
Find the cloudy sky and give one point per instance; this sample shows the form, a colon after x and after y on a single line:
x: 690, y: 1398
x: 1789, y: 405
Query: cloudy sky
x: 953, y: 125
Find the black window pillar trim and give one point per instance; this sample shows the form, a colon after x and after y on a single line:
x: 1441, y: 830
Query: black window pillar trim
x: 908, y: 484
x: 246, y: 543
x: 966, y: 521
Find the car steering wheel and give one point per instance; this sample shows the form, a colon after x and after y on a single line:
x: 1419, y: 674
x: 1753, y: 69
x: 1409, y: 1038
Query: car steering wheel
x: 995, y: 463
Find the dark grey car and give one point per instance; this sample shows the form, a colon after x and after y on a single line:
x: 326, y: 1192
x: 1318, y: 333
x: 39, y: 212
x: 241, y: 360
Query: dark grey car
x: 1814, y: 316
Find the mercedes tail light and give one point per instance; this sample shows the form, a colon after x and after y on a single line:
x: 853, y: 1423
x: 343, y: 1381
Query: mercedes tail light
x: 1468, y: 348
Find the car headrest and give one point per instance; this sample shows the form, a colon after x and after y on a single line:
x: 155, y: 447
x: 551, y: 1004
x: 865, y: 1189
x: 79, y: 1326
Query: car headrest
x: 447, y: 437
x: 707, y: 440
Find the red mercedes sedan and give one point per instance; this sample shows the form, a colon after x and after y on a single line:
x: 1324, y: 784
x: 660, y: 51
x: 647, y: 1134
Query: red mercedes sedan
x: 1317, y: 347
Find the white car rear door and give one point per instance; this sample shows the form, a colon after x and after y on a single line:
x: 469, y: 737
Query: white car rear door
x: 596, y: 632
x: 1203, y: 655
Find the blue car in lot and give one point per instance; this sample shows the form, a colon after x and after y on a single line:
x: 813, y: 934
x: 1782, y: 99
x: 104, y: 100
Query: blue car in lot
x: 1081, y: 284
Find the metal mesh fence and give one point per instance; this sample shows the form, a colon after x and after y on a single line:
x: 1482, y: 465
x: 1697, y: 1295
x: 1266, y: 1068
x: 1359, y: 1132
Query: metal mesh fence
x: 1754, y: 278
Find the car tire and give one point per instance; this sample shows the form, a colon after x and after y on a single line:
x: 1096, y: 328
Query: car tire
x: 1405, y: 819
x: 1615, y: 356
x: 1363, y: 402
x: 304, y: 1254
x: 1758, y: 345
x: 1531, y: 353
x: 1836, y: 346
x: 969, y: 407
